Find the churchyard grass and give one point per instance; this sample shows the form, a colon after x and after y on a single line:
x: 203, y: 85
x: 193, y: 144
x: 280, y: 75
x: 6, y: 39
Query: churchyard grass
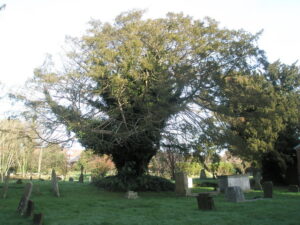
x: 84, y: 204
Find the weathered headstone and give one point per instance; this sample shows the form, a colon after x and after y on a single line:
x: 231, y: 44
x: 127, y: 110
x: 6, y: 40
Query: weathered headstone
x: 71, y: 179
x: 38, y: 219
x: 293, y: 188
x: 257, y: 179
x: 190, y: 182
x: 268, y: 189
x: 234, y: 180
x: 81, y: 175
x: 131, y: 195
x: 54, y: 182
x: 202, y: 174
x: 235, y: 194
x: 181, y: 184
x: 24, y: 199
x: 5, y: 186
x: 297, y: 148
x: 29, y: 209
x: 205, y: 201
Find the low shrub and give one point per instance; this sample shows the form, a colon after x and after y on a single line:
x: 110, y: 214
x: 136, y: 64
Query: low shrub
x: 143, y: 183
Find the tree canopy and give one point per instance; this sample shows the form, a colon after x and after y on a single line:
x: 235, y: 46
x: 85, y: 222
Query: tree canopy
x: 123, y: 83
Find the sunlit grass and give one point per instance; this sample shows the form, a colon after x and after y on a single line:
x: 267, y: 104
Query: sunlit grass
x: 84, y: 204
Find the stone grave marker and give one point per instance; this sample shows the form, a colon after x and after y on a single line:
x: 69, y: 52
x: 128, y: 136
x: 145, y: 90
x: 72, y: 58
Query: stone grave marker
x: 29, y: 209
x: 5, y: 186
x: 38, y: 219
x: 19, y: 181
x: 71, y: 179
x: 81, y: 175
x: 202, y: 174
x: 54, y: 183
x: 293, y: 188
x: 257, y: 179
x: 268, y: 189
x: 234, y: 180
x: 205, y: 201
x: 131, y: 195
x: 234, y: 194
x: 190, y: 182
x: 181, y: 184
x: 24, y: 199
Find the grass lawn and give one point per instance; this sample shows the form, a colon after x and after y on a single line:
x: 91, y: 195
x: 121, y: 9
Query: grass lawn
x: 84, y: 204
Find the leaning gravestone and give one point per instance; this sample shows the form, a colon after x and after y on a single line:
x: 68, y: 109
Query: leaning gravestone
x: 5, y: 187
x: 131, y: 195
x: 54, y: 182
x: 181, y: 184
x: 24, y: 199
x: 268, y: 189
x: 235, y: 194
x: 234, y: 180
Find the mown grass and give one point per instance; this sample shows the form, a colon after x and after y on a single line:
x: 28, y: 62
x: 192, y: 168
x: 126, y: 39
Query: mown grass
x: 84, y: 204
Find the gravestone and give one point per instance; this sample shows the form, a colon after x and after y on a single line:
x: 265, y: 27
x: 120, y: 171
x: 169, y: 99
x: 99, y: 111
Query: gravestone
x: 24, y: 199
x: 29, y: 209
x: 5, y: 186
x: 202, y: 174
x: 131, y: 195
x: 235, y: 194
x: 257, y: 179
x: 19, y: 181
x: 234, y: 180
x: 293, y: 188
x: 268, y: 189
x: 81, y: 175
x: 190, y: 182
x: 297, y: 148
x: 71, y: 179
x: 38, y: 219
x: 54, y: 183
x: 181, y: 184
x: 205, y: 201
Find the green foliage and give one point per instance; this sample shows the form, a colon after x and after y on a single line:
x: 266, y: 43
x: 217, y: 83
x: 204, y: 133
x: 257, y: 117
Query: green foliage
x: 225, y: 168
x: 142, y: 183
x: 125, y: 82
x: 190, y: 168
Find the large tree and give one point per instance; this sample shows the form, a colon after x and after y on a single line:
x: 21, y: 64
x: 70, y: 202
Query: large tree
x: 124, y: 82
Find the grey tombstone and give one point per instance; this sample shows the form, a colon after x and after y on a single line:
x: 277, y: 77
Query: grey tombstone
x: 5, y: 186
x: 54, y: 183
x: 71, y: 179
x: 29, y: 209
x: 297, y: 148
x: 205, y: 201
x: 202, y: 174
x: 268, y: 189
x: 234, y: 180
x: 24, y: 199
x: 181, y: 184
x: 293, y: 188
x: 235, y: 194
x: 81, y: 175
x: 257, y: 178
x: 131, y: 195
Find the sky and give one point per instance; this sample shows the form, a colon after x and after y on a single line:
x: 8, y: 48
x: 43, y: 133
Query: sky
x: 31, y: 29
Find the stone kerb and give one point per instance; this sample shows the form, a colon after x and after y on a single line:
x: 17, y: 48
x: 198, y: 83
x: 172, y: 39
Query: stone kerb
x: 241, y: 181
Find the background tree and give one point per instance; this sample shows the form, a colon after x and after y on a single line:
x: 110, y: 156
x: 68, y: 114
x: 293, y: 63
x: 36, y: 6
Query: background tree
x: 124, y: 82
